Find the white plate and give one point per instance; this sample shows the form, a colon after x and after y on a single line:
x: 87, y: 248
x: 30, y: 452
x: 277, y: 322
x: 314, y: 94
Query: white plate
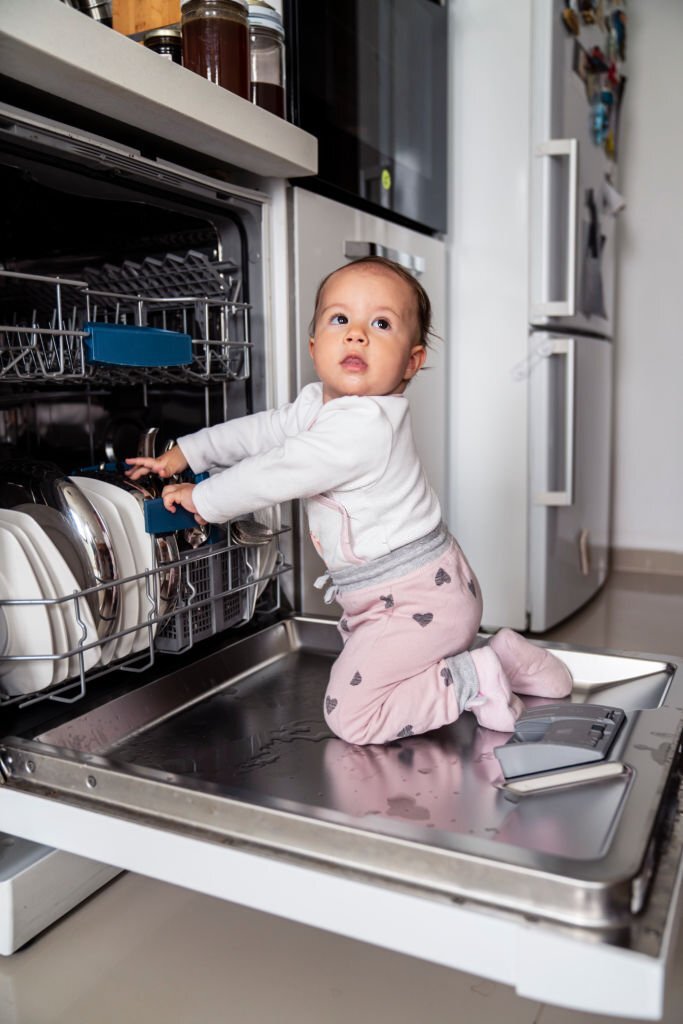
x: 60, y: 641
x: 269, y: 517
x: 4, y: 633
x: 140, y: 542
x: 129, y: 601
x: 63, y: 583
x: 28, y: 625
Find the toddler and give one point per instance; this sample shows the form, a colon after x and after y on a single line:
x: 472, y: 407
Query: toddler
x: 411, y: 604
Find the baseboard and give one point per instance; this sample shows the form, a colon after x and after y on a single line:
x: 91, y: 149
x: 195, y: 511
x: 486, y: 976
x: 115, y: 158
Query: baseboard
x: 664, y: 563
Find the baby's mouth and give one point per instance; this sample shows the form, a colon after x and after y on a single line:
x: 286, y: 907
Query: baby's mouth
x: 354, y: 363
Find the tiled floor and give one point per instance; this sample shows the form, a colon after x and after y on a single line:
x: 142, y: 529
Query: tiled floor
x: 634, y: 612
x: 146, y: 951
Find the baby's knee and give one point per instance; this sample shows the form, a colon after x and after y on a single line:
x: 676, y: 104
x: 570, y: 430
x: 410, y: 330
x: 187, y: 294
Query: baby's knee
x: 348, y: 730
x: 351, y: 727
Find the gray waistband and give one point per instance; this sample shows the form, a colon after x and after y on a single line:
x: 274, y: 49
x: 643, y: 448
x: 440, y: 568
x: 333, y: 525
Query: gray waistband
x: 397, y: 563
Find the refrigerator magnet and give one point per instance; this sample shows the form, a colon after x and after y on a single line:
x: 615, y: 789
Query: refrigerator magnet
x: 570, y: 20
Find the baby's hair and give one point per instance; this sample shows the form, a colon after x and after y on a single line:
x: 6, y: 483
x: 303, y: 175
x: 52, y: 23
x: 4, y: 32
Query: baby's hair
x: 423, y: 306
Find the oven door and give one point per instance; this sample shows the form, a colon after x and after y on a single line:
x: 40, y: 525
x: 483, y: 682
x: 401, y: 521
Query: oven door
x: 222, y: 777
x: 369, y: 79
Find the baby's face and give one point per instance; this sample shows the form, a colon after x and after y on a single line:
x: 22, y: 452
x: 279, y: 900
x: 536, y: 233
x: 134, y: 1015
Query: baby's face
x: 365, y: 333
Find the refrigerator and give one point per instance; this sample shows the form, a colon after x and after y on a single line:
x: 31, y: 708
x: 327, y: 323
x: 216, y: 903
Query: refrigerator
x: 532, y: 274
x: 324, y: 235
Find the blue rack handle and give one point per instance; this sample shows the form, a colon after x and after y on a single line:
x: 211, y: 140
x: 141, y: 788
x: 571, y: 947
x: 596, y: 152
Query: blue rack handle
x: 128, y: 345
x: 159, y: 520
x: 103, y: 467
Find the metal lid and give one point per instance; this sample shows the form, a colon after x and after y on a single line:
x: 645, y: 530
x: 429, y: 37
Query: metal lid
x: 240, y: 3
x: 157, y: 33
x: 263, y: 15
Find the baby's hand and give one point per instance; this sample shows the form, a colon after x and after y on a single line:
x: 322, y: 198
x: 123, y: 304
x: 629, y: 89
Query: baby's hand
x: 166, y: 465
x: 181, y: 494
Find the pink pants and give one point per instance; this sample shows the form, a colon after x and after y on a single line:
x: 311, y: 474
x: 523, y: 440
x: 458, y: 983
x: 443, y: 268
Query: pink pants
x: 391, y: 680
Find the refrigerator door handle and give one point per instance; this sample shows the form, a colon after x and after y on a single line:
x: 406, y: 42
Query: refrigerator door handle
x: 563, y: 347
x: 357, y: 250
x: 568, y: 148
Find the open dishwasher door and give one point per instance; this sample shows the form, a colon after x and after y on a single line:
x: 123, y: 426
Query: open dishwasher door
x: 222, y: 777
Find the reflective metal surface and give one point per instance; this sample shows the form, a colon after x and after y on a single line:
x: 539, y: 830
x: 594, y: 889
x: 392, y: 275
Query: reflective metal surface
x: 41, y: 490
x: 236, y: 746
x: 165, y: 548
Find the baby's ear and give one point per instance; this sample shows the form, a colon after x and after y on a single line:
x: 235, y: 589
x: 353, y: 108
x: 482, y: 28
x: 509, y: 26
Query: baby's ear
x: 311, y: 345
x: 416, y: 361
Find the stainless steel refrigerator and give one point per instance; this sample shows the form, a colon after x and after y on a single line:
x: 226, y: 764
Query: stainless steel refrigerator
x: 532, y: 288
x: 325, y: 234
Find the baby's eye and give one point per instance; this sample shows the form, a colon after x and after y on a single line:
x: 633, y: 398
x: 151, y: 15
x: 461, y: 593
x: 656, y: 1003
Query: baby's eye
x: 339, y: 318
x: 382, y: 323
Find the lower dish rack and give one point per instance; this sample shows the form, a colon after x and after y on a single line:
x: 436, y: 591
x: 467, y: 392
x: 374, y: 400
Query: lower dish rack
x: 203, y: 592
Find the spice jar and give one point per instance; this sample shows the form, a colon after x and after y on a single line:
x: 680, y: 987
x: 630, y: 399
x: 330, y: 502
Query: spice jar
x: 216, y: 42
x: 167, y: 42
x: 267, y: 57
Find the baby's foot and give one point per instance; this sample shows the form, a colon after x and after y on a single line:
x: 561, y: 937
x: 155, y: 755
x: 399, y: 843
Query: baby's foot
x: 495, y: 706
x: 531, y: 669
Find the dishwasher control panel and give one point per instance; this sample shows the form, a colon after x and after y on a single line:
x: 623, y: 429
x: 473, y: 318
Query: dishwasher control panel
x: 557, y: 736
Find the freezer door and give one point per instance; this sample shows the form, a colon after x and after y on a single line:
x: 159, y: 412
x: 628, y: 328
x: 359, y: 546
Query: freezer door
x: 570, y: 398
x: 326, y: 235
x: 573, y: 205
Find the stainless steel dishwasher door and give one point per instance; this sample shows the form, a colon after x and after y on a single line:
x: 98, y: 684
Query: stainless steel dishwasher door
x: 223, y: 777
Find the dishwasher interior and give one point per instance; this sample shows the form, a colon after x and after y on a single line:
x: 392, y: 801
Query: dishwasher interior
x: 132, y: 312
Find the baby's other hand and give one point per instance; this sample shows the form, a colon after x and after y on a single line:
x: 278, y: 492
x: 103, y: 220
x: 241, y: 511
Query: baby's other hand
x: 169, y: 464
x: 181, y: 494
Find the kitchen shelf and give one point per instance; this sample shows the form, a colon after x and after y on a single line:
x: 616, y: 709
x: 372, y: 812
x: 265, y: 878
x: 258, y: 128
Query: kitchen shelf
x: 54, y: 48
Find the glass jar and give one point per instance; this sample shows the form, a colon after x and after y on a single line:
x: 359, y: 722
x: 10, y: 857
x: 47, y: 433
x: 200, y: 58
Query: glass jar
x: 216, y: 42
x: 167, y: 42
x: 267, y: 57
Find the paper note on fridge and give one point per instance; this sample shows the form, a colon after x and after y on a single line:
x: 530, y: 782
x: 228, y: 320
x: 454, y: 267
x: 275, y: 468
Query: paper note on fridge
x: 612, y: 200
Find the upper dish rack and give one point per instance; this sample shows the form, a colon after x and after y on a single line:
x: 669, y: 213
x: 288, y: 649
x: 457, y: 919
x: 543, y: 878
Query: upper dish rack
x: 48, y: 339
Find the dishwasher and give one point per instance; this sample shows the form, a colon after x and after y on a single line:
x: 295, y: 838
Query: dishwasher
x: 201, y: 756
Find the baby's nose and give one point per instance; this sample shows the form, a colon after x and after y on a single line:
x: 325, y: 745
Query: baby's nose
x: 357, y: 333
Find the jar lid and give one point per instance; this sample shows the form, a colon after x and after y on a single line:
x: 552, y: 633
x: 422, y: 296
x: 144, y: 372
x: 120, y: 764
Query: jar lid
x: 264, y: 16
x: 240, y: 3
x: 157, y: 33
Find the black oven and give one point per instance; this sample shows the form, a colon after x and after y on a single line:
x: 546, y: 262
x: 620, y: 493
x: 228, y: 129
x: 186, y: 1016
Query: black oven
x: 368, y: 78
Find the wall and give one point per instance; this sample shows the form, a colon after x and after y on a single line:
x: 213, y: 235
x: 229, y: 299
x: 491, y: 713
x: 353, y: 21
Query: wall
x: 648, y: 478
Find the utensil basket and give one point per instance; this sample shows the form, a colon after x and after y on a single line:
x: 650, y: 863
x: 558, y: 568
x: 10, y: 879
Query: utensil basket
x: 212, y: 595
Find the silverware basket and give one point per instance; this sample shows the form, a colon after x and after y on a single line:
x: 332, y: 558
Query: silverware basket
x: 212, y: 597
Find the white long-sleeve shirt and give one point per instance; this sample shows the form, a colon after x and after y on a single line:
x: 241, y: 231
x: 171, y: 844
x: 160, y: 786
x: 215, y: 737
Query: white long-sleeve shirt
x: 352, y: 460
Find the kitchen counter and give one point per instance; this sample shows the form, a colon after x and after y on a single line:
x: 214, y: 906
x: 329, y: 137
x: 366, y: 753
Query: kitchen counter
x: 56, y: 49
x: 145, y: 950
